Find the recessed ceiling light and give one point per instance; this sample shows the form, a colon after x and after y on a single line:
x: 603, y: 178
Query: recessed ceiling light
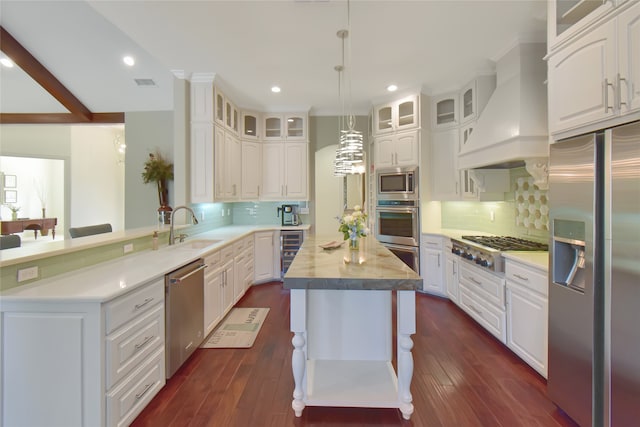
x: 275, y: 89
x: 6, y: 62
x: 128, y: 60
x: 392, y: 88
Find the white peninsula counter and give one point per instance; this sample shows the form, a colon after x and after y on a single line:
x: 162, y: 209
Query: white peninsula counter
x: 341, y: 317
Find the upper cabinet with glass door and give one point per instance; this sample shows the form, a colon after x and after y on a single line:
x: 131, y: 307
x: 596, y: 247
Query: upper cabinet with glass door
x: 566, y: 18
x: 250, y: 125
x: 288, y: 126
x: 219, y: 109
x: 397, y: 115
x: 474, y: 97
x: 296, y: 127
x: 444, y: 111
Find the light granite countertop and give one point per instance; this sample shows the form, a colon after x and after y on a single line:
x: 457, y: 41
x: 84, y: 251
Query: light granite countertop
x: 372, y: 267
x: 105, y: 281
x: 538, y: 260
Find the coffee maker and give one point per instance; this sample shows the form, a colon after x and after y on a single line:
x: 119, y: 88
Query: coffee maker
x: 289, y: 214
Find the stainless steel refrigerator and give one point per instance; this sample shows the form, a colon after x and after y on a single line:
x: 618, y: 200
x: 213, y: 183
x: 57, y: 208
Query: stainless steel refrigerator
x: 594, y: 285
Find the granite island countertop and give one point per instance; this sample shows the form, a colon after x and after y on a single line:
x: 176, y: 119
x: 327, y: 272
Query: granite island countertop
x: 372, y: 267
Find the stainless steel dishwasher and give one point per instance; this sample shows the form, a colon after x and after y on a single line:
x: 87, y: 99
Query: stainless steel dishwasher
x: 184, y: 315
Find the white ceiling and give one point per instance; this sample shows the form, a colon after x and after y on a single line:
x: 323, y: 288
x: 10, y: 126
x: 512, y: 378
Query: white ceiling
x: 433, y: 46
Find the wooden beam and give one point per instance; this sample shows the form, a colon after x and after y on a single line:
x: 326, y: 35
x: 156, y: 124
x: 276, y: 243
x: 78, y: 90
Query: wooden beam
x: 18, y: 54
x: 58, y: 118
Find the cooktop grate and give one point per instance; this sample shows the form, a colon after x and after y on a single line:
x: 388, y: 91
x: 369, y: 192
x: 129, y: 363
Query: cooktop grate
x: 505, y: 243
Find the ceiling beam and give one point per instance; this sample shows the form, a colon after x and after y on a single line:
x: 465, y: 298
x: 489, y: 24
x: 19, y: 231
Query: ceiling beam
x: 58, y: 118
x: 30, y: 65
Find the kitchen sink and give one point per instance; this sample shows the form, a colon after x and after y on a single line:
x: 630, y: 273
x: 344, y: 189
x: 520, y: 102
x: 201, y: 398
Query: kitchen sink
x: 199, y: 243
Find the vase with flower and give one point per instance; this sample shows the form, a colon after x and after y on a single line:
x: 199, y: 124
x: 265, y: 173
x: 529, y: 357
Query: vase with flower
x: 159, y: 170
x: 353, y: 226
x: 14, y: 211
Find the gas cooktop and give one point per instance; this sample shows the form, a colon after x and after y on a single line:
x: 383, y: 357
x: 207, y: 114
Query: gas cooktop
x: 503, y: 243
x: 486, y: 251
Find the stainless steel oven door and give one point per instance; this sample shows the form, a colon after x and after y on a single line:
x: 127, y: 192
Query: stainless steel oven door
x: 398, y: 225
x: 410, y: 255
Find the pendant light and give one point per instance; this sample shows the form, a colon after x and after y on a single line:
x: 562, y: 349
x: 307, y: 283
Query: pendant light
x: 350, y: 153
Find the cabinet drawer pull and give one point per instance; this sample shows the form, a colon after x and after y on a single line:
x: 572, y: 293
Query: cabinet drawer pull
x: 526, y: 279
x: 143, y: 392
x: 433, y: 244
x: 143, y: 343
x: 475, y: 310
x: 146, y: 301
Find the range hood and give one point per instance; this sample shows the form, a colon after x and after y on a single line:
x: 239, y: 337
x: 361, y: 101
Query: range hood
x: 512, y: 129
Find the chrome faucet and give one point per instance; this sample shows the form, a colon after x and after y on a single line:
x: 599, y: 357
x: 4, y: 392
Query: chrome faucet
x: 172, y: 238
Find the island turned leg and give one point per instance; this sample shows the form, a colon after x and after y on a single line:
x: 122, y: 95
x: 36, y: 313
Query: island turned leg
x: 299, y: 356
x: 406, y: 313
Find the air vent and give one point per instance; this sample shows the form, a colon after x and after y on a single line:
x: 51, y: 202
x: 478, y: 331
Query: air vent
x: 145, y: 82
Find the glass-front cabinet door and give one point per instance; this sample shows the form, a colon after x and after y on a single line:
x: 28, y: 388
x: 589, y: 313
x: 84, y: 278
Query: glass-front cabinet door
x: 272, y: 126
x: 563, y: 15
x: 296, y: 127
x: 250, y: 125
x: 444, y: 111
x: 384, y: 119
x: 219, y: 108
x: 407, y: 113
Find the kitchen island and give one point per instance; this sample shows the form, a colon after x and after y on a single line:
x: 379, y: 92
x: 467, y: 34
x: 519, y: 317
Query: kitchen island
x: 341, y: 317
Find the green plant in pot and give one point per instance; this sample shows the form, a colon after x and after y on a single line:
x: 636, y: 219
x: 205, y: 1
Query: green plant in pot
x: 159, y: 170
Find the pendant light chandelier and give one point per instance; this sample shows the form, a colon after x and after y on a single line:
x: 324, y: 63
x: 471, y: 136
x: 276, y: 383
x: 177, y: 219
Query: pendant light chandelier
x: 350, y: 153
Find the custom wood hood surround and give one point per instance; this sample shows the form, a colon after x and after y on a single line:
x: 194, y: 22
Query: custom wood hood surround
x: 78, y: 112
x: 513, y: 126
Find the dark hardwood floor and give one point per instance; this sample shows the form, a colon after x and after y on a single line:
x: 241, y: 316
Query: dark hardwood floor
x: 462, y: 377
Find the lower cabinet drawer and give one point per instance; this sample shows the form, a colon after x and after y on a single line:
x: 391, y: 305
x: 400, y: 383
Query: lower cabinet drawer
x: 123, y: 309
x: 133, y: 343
x: 490, y: 287
x: 126, y: 401
x: 491, y: 318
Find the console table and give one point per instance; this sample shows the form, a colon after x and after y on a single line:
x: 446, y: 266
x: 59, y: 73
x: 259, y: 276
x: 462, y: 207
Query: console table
x: 341, y: 318
x: 35, y: 224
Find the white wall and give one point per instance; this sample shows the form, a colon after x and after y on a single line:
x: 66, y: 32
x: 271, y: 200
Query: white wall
x: 97, y: 177
x: 328, y: 193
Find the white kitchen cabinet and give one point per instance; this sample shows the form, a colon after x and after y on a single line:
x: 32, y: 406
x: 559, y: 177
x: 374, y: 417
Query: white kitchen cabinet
x: 94, y: 355
x: 596, y: 77
x: 243, y: 251
x: 228, y: 157
x: 231, y: 117
x: 219, y: 107
x: 527, y: 313
x: 482, y: 296
x: 296, y: 126
x: 566, y: 18
x: 629, y: 59
x: 228, y: 279
x: 285, y: 171
x: 445, y: 179
x: 445, y: 111
x: 266, y: 248
x: 451, y: 277
x: 202, y: 160
x: 288, y: 126
x: 212, y: 291
x: 432, y: 264
x: 202, y: 109
x: 251, y: 170
x: 251, y: 125
x: 398, y: 149
x: 397, y: 115
x: 474, y: 97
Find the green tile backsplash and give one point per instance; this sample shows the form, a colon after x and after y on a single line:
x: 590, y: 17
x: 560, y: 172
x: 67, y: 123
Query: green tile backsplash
x: 509, y: 215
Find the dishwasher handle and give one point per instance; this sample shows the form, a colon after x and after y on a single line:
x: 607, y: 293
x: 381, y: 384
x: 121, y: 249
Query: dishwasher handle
x: 175, y: 280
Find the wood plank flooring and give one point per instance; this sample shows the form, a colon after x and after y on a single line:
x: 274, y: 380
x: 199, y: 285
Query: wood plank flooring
x: 462, y: 377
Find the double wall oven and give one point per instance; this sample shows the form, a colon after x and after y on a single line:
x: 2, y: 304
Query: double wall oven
x: 398, y: 214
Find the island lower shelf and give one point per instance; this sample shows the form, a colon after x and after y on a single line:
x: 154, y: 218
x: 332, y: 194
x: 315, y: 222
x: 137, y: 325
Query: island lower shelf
x: 351, y: 383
